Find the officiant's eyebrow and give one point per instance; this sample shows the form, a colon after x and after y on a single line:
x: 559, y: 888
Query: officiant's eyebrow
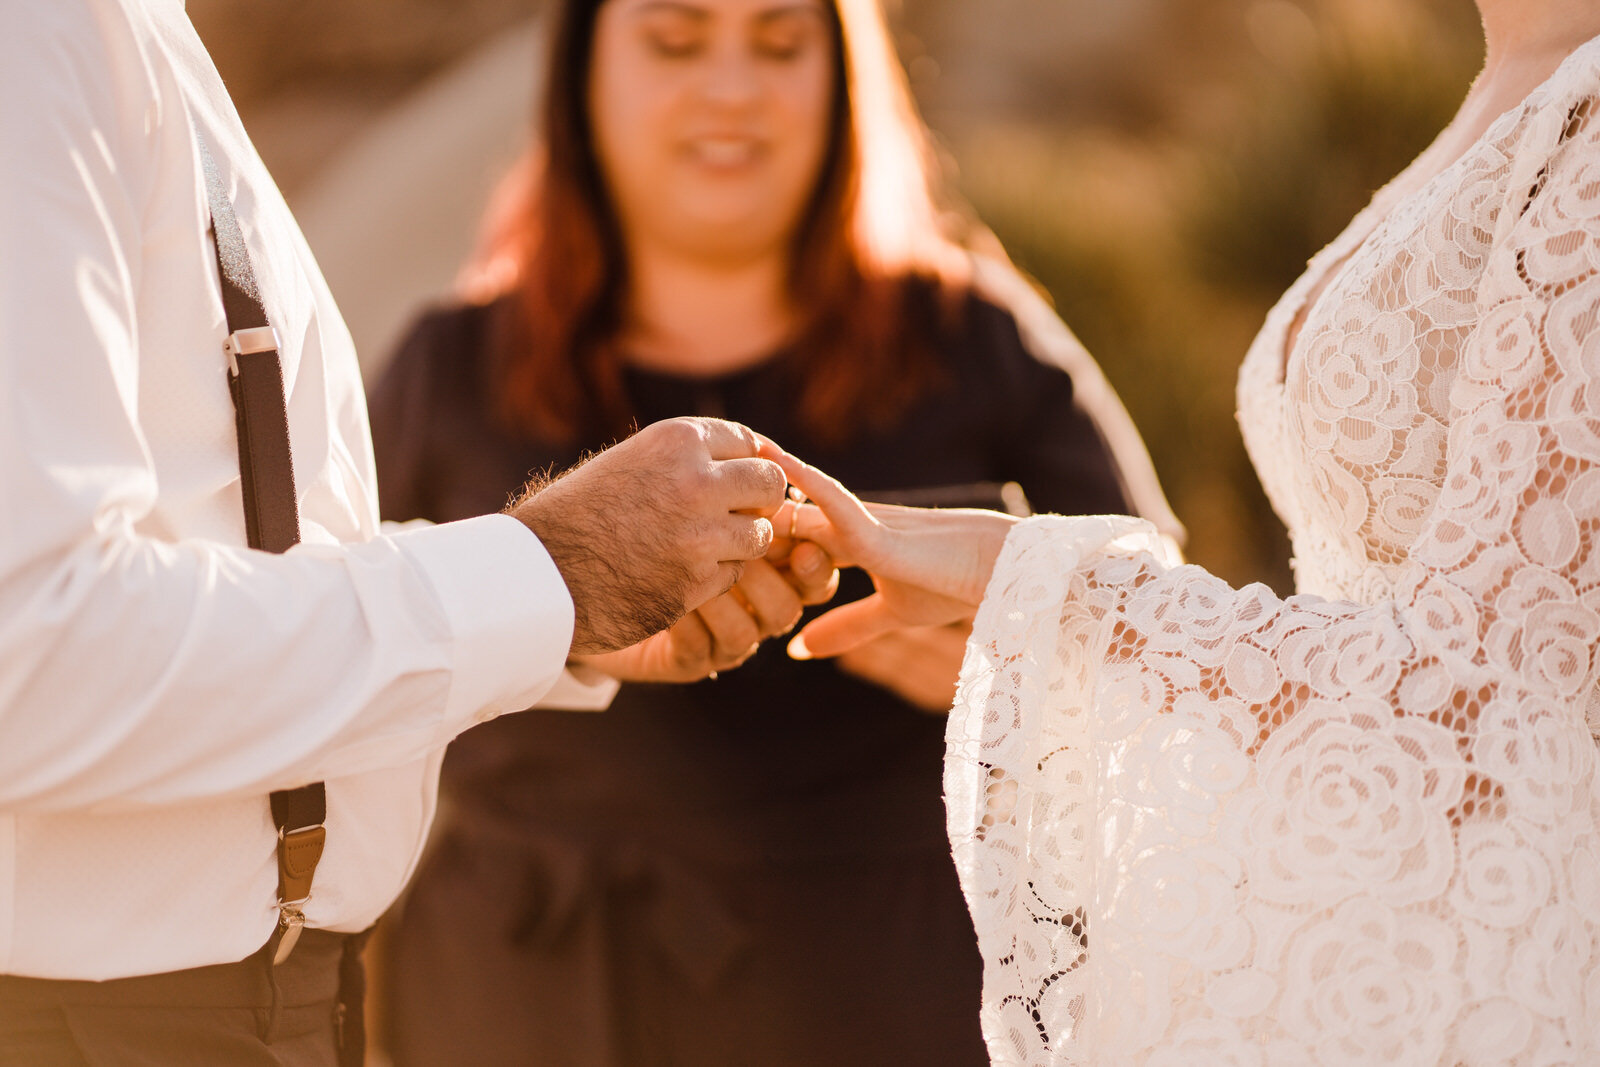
x: 673, y: 7
x: 698, y: 13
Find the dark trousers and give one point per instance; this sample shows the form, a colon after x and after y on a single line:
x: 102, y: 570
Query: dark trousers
x: 556, y: 955
x: 306, y: 1012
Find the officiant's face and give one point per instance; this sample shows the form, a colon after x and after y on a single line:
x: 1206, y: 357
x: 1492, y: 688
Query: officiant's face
x: 710, y: 118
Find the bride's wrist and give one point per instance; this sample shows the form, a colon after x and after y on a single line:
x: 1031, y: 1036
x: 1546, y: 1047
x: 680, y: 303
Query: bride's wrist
x: 985, y: 536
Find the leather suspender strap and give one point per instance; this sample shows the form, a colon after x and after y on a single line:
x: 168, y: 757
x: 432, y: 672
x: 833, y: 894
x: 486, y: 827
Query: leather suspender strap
x: 271, y: 513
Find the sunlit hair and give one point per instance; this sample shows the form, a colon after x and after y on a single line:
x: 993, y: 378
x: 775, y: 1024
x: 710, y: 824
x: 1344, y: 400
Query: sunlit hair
x: 875, y: 264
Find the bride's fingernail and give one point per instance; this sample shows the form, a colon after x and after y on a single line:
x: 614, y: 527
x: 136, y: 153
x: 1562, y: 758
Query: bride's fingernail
x: 798, y: 649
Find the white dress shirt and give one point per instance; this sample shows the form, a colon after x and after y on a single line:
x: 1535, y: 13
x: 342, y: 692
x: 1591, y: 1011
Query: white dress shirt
x: 157, y: 678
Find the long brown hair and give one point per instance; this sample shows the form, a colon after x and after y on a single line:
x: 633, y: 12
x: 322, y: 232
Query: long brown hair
x: 872, y: 240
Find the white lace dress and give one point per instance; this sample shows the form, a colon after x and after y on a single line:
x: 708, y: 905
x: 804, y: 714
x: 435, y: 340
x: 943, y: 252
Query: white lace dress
x: 1205, y: 825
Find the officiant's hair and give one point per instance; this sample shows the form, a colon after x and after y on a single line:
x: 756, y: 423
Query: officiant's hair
x: 878, y: 263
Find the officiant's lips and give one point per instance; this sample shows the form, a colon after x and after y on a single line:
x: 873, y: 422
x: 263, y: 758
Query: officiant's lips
x: 726, y: 154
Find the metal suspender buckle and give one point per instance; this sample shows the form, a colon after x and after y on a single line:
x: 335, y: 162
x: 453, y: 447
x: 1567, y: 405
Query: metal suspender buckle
x: 291, y: 920
x: 298, y: 854
x: 244, y: 342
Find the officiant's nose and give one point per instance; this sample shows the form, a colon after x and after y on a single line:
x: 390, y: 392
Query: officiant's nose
x: 730, y: 80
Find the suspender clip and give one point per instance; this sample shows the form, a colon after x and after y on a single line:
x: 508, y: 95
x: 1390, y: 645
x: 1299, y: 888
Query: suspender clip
x: 244, y: 342
x: 291, y: 920
x: 298, y: 854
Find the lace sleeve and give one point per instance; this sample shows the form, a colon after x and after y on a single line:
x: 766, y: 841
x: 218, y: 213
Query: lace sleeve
x: 1195, y: 821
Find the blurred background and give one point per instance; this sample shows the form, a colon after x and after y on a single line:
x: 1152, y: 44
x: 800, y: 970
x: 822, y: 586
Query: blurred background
x: 1163, y: 168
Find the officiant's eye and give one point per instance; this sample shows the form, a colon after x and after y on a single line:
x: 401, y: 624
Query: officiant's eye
x: 675, y: 46
x: 785, y: 35
x: 675, y: 35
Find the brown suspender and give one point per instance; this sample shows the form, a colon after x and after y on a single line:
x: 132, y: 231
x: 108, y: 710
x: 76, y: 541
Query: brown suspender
x: 272, y: 515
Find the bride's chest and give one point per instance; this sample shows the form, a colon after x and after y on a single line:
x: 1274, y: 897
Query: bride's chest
x: 1344, y: 398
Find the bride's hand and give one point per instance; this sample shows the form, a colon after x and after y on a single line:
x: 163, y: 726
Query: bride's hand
x: 930, y: 567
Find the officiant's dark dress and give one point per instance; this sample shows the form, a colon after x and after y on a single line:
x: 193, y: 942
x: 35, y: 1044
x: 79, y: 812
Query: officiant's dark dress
x: 750, y: 870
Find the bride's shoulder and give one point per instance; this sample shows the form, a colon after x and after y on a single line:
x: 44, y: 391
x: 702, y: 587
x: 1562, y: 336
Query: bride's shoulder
x: 1566, y: 107
x: 1582, y: 66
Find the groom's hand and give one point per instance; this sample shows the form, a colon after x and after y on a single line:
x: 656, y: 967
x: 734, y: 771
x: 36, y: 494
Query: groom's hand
x: 655, y: 526
x: 727, y: 630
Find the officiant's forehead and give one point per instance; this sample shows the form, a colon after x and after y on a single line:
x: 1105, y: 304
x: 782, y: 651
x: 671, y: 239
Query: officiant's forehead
x: 708, y: 9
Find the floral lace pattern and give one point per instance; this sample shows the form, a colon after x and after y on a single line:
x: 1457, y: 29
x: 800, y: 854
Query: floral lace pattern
x: 1361, y: 825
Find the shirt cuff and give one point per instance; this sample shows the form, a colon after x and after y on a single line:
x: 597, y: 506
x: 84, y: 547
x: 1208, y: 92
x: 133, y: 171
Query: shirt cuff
x: 581, y: 689
x: 507, y: 609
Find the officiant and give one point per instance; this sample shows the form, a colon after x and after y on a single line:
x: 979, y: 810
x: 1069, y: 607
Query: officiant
x: 732, y: 210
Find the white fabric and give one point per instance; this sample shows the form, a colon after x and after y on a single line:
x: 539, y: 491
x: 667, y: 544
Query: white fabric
x: 157, y: 678
x: 1198, y: 824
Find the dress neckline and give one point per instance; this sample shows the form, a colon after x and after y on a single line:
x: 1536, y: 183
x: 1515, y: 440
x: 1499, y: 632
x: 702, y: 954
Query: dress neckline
x: 1329, y: 265
x: 712, y: 379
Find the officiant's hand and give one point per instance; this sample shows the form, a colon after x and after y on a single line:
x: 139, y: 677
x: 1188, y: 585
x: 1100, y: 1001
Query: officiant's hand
x: 726, y: 631
x: 654, y: 527
x: 929, y: 567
